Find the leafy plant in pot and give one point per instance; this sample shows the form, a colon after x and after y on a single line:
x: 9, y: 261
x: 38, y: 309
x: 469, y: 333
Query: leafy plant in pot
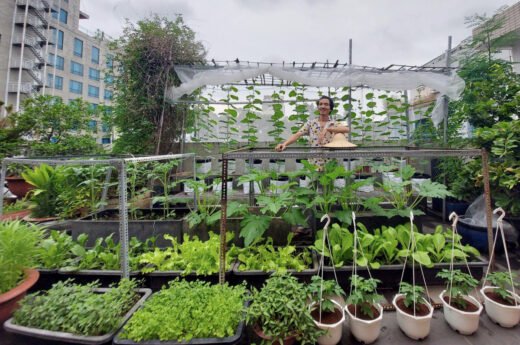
x: 502, y: 305
x: 279, y: 313
x: 327, y: 309
x: 364, y: 311
x: 413, y: 312
x: 461, y: 311
x: 18, y: 254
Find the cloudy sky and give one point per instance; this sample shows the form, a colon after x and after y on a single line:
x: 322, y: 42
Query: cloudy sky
x: 408, y: 32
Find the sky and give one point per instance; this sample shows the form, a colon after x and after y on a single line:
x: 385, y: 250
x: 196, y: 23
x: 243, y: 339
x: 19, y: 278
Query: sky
x: 383, y: 32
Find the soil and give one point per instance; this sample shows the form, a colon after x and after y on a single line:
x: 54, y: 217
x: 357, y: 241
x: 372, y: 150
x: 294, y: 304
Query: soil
x: 328, y: 318
x: 357, y: 311
x: 423, y: 309
x: 470, y: 307
x: 496, y: 297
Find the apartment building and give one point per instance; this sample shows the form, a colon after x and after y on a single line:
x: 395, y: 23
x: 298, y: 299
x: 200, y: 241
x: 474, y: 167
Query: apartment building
x: 43, y: 51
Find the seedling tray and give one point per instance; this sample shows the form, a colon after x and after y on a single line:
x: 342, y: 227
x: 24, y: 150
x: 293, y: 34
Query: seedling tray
x: 73, y: 338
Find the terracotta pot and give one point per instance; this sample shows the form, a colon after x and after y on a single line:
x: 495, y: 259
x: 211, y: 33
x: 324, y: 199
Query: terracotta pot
x: 9, y: 300
x: 286, y: 341
x: 18, y: 186
x: 16, y: 215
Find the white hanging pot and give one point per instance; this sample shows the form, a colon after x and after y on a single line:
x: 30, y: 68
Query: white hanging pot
x: 415, y: 327
x: 334, y: 330
x: 366, y: 331
x: 256, y: 188
x: 203, y: 165
x: 461, y: 321
x: 218, y: 187
x: 505, y: 315
x: 304, y: 182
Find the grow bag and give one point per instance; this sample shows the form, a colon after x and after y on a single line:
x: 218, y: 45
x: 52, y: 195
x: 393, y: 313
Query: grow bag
x: 477, y: 236
x: 74, y: 338
x: 234, y: 339
x: 95, y: 226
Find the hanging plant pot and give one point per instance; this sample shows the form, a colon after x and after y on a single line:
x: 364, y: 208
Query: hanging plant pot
x: 9, y: 299
x: 256, y: 188
x: 330, y: 322
x: 304, y: 181
x: 277, y: 165
x: 366, y: 331
x: 506, y: 315
x: 299, y: 164
x: 203, y: 165
x: 463, y: 322
x: 416, y: 327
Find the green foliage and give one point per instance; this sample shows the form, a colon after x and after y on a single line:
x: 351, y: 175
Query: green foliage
x: 55, y: 250
x: 265, y: 257
x: 280, y: 310
x: 412, y: 295
x: 364, y: 294
x: 58, y: 128
x: 462, y: 283
x: 191, y: 310
x: 192, y: 255
x: 77, y: 309
x: 402, y: 197
x: 161, y: 172
x: 46, y: 181
x: 327, y: 289
x: 10, y: 133
x: 277, y: 119
x: 501, y: 281
x: 143, y: 67
x: 18, y: 251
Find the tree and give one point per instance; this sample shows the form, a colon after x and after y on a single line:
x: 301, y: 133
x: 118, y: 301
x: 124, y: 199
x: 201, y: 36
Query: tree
x: 56, y: 128
x: 10, y: 134
x: 145, y: 55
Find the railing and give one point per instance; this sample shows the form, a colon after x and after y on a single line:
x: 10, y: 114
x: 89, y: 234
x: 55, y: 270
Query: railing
x: 36, y: 75
x: 36, y: 4
x: 24, y: 87
x: 29, y: 40
x: 38, y: 53
x: 26, y: 63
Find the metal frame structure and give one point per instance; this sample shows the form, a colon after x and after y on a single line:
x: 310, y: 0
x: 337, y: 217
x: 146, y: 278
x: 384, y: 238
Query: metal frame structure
x: 359, y: 152
x: 119, y: 163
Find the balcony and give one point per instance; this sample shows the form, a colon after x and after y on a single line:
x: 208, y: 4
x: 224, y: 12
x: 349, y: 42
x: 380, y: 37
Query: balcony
x: 35, y: 4
x: 29, y: 40
x: 26, y: 64
x: 26, y: 87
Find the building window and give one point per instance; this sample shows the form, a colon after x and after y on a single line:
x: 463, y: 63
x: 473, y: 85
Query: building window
x: 76, y: 87
x: 60, y: 63
x: 60, y: 39
x: 92, y: 125
x: 49, y: 80
x: 93, y: 107
x: 109, y: 79
x: 93, y: 91
x: 105, y: 127
x: 55, y: 10
x: 95, y: 55
x: 107, y: 110
x: 50, y: 59
x: 58, y: 83
x: 105, y: 140
x: 108, y: 95
x: 110, y: 60
x: 76, y: 68
x: 63, y: 16
x: 78, y: 47
x: 93, y: 73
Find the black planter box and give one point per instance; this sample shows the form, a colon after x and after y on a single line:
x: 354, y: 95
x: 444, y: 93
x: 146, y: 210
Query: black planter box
x: 48, y: 277
x: 157, y: 279
x: 237, y: 338
x: 142, y: 229
x: 257, y: 278
x: 105, y: 277
x: 73, y: 338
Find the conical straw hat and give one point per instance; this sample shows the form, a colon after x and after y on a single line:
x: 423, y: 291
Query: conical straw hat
x: 339, y: 141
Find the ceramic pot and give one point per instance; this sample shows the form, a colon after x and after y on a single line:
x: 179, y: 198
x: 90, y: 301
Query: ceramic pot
x: 366, y: 331
x: 9, y: 300
x: 18, y: 186
x: 505, y: 315
x: 415, y: 327
x: 461, y: 321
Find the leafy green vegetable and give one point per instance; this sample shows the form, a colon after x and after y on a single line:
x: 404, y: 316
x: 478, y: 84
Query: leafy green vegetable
x: 412, y: 295
x: 77, y: 309
x: 364, y: 294
x: 187, y: 310
x: 462, y: 283
x: 327, y: 289
x: 501, y: 280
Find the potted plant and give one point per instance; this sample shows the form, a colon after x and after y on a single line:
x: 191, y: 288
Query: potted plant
x: 413, y: 312
x: 502, y: 305
x: 75, y: 313
x: 461, y: 311
x: 279, y: 313
x: 46, y: 181
x: 327, y: 309
x: 18, y: 255
x: 189, y: 312
x: 364, y: 311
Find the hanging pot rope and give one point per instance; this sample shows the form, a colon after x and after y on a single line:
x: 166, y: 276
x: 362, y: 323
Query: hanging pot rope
x: 500, y: 226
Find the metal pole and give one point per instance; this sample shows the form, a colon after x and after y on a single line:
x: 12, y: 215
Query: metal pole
x: 21, y: 56
x: 123, y: 221
x: 407, y: 117
x: 9, y: 61
x: 46, y: 57
x: 350, y: 94
x: 487, y: 195
x: 445, y: 129
x: 223, y: 219
x: 105, y: 189
x: 2, y: 183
